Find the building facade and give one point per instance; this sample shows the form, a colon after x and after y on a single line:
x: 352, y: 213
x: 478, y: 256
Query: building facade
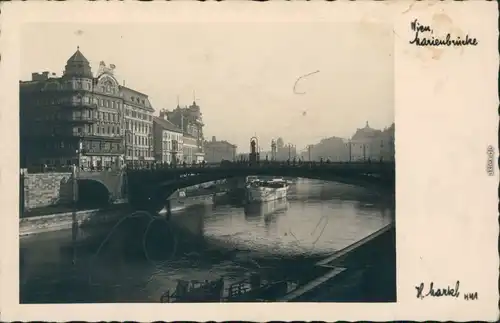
x: 217, y: 151
x: 190, y: 149
x: 82, y: 119
x: 168, y: 142
x: 190, y: 120
x: 138, y: 121
x: 72, y: 119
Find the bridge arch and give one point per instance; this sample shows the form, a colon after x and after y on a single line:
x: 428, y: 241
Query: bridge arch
x: 151, y: 189
x: 93, y: 193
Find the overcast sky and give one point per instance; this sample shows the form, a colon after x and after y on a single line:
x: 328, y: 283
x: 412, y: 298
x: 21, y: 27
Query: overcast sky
x: 243, y: 74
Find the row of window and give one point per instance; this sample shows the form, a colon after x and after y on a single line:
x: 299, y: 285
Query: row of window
x: 140, y: 140
x: 137, y: 126
x: 172, y: 136
x: 139, y: 115
x: 104, y: 116
x: 171, y: 146
x: 93, y: 129
x: 96, y: 146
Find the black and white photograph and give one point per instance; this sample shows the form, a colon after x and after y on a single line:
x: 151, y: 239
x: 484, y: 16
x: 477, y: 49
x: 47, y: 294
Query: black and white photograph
x: 224, y: 167
x: 239, y: 161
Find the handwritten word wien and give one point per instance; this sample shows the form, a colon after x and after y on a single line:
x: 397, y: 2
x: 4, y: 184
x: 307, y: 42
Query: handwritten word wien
x: 447, y: 291
x: 422, y: 30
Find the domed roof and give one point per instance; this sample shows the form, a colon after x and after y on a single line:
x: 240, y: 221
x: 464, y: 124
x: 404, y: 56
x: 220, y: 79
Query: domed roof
x: 78, y: 57
x: 365, y: 132
x: 77, y: 65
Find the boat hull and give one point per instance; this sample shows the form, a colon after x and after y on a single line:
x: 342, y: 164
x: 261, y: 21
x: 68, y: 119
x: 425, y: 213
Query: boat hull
x: 266, y: 194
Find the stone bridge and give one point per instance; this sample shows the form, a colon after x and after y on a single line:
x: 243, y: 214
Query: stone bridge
x: 114, y: 182
x: 57, y: 188
x: 149, y: 188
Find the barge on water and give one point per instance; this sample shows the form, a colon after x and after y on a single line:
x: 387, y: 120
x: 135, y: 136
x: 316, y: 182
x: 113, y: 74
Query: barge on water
x: 246, y: 290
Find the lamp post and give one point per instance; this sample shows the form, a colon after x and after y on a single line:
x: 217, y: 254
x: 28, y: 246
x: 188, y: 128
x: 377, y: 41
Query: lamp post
x: 273, y: 150
x: 349, y: 143
x: 150, y: 145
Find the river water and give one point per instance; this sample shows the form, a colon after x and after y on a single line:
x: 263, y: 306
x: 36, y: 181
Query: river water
x: 137, y: 260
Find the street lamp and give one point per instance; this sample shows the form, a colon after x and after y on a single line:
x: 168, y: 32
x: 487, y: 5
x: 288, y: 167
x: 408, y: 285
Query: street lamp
x: 349, y: 143
x: 150, y: 145
x: 273, y: 150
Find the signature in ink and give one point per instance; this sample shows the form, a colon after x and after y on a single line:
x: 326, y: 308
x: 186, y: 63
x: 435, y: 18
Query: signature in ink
x: 423, y: 37
x: 300, y: 78
x: 438, y: 292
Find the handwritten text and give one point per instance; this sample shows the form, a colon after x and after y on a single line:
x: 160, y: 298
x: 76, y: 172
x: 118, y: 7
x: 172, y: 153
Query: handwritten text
x: 424, y: 37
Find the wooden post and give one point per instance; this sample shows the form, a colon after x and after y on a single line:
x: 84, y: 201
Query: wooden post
x: 169, y: 209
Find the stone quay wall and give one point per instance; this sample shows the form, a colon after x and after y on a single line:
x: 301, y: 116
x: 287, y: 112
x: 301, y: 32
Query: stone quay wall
x: 46, y: 189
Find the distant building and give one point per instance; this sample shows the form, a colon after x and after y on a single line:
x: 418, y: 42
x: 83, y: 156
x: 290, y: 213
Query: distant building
x: 372, y: 144
x: 216, y: 151
x: 190, y: 120
x: 72, y: 119
x: 168, y: 142
x: 286, y: 152
x: 333, y: 149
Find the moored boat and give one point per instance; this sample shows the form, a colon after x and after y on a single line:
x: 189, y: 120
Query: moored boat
x: 266, y: 190
x: 195, y: 291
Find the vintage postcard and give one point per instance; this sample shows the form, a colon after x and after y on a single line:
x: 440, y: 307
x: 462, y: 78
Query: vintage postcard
x: 193, y: 161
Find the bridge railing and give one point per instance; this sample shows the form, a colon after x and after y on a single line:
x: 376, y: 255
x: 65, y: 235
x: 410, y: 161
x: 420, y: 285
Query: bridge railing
x: 246, y: 164
x: 67, y: 169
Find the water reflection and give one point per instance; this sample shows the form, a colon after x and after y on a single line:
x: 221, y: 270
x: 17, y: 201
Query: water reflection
x: 139, y: 260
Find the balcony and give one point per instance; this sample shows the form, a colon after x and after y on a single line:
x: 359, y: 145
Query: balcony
x: 105, y: 137
x: 81, y: 119
x: 81, y: 104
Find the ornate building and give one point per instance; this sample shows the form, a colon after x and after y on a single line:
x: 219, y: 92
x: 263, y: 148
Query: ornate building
x: 372, y: 144
x: 190, y: 120
x: 82, y: 119
x: 73, y: 119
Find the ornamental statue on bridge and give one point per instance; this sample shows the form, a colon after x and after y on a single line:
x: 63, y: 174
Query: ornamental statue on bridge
x: 254, y: 154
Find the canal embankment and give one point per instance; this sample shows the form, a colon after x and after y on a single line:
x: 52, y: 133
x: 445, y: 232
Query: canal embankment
x: 365, y: 271
x: 62, y: 217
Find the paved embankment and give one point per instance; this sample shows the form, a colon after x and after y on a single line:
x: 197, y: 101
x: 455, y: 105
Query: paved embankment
x: 66, y: 220
x: 362, y: 272
x: 61, y: 218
